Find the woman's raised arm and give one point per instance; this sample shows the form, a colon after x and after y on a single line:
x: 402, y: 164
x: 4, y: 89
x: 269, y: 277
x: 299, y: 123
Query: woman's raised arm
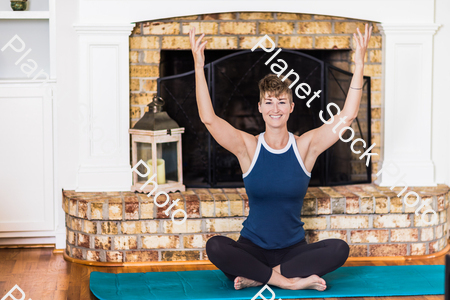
x: 226, y: 135
x: 326, y: 135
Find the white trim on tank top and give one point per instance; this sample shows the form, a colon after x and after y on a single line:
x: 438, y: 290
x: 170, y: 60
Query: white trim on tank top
x: 299, y: 158
x: 291, y: 141
x: 255, y: 156
x: 278, y: 151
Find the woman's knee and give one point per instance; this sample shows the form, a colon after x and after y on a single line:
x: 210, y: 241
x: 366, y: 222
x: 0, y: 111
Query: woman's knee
x: 216, y: 245
x: 340, y: 248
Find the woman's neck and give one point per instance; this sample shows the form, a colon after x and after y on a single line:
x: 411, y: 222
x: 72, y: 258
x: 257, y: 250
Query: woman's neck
x: 276, y: 138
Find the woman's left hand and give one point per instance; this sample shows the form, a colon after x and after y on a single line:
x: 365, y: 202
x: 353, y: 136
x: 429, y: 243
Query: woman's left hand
x: 361, y: 44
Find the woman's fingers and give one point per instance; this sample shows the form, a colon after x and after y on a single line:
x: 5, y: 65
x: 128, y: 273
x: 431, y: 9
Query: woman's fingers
x: 197, y: 46
x: 366, y: 34
x: 192, y: 36
x: 199, y: 40
x: 358, y: 45
x: 363, y: 41
x: 194, y: 43
x: 360, y: 36
x: 203, y: 45
x: 370, y: 34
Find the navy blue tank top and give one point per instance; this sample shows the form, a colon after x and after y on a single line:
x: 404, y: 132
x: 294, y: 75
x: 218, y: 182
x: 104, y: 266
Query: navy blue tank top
x: 276, y: 184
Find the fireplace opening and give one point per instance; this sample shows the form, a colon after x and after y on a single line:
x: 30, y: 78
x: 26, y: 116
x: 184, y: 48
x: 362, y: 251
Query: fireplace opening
x: 232, y: 77
x: 174, y: 62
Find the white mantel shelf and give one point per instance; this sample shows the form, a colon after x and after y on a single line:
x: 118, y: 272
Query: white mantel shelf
x: 24, y: 15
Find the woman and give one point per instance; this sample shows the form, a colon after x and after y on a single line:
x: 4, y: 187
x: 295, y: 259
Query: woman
x: 276, y: 167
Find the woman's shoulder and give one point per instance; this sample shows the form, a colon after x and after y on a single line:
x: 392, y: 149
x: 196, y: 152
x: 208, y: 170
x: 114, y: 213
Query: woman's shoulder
x: 302, y: 142
x: 303, y: 138
x: 250, y: 141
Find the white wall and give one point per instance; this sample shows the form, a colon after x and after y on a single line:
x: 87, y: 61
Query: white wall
x: 66, y: 156
x: 441, y: 94
x: 67, y: 84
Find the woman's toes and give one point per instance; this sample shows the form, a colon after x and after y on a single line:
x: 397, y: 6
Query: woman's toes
x: 319, y: 279
x: 237, y: 283
x: 242, y: 282
x: 315, y: 282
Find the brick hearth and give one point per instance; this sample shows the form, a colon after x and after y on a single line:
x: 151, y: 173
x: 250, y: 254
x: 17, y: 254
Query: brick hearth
x: 128, y: 227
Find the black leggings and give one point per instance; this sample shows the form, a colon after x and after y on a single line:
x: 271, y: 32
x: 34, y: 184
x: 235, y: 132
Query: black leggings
x: 244, y: 258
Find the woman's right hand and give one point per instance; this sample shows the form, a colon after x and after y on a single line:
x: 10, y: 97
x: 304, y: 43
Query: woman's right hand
x: 197, y: 48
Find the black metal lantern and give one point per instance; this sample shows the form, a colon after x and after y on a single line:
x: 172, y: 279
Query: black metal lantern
x: 156, y: 140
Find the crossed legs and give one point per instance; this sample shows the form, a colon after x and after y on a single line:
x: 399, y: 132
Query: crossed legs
x: 295, y: 267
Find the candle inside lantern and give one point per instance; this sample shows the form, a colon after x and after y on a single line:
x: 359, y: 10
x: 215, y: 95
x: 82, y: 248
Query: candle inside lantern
x: 160, y: 171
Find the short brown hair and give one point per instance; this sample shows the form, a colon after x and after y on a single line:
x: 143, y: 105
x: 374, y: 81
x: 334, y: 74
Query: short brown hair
x: 272, y: 84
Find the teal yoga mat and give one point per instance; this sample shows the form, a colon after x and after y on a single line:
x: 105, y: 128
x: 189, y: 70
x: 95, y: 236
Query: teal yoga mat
x: 364, y: 281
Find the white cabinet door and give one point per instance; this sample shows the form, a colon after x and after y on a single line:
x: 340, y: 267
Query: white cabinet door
x: 26, y: 160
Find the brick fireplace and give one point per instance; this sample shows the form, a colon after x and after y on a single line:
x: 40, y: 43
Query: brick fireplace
x: 124, y: 227
x: 110, y: 226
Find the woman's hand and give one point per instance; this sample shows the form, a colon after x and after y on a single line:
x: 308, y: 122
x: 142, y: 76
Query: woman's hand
x: 197, y: 49
x: 361, y: 44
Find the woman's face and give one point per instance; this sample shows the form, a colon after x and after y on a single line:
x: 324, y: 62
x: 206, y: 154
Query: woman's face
x: 275, y: 111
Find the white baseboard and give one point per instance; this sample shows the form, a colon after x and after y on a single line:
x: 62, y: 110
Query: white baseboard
x: 27, y: 241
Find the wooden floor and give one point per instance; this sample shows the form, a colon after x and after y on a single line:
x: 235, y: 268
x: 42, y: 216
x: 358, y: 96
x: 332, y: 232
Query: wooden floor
x: 44, y: 275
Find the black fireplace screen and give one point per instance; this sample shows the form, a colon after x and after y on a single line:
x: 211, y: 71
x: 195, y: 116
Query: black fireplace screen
x: 233, y: 86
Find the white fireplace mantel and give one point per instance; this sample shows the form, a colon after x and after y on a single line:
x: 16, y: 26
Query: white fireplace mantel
x: 407, y: 105
x: 392, y: 11
x: 103, y: 107
x: 104, y: 79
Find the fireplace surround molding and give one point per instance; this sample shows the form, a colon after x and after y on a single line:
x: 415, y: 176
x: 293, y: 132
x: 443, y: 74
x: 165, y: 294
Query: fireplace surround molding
x: 125, y: 11
x: 407, y: 92
x: 103, y: 73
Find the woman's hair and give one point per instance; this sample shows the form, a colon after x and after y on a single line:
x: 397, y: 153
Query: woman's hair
x: 272, y: 84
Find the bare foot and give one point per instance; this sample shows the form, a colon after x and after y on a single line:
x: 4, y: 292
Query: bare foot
x: 242, y: 282
x: 312, y: 282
